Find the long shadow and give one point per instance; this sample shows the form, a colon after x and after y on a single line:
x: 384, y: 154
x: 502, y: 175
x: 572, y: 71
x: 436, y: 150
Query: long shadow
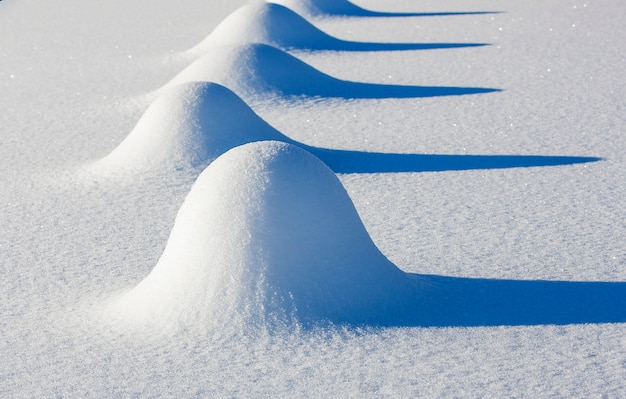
x: 344, y: 45
x: 343, y: 161
x: 456, y: 302
x: 357, y: 90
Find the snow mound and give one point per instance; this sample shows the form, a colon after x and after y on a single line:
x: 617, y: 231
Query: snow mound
x: 255, y: 69
x: 188, y: 126
x: 268, y: 237
x: 266, y: 23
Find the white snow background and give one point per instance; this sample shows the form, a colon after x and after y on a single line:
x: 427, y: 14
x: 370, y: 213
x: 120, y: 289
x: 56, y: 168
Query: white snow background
x: 508, y: 205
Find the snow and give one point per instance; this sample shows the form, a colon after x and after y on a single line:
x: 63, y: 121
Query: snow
x: 342, y: 8
x: 268, y: 236
x: 502, y: 203
x: 279, y: 26
x: 187, y: 127
x: 253, y: 70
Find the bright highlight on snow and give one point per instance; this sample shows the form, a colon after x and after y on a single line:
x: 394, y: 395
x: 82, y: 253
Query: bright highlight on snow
x: 268, y: 237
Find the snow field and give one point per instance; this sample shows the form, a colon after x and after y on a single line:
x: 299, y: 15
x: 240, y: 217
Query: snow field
x: 69, y: 244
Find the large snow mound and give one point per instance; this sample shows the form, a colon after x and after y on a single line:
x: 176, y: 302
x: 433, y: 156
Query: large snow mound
x: 186, y: 127
x: 268, y: 237
x: 255, y: 69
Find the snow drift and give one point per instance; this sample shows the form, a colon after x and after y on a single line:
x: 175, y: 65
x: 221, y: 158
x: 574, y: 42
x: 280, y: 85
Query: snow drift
x: 268, y: 237
x: 253, y: 70
x: 188, y: 126
x: 279, y: 26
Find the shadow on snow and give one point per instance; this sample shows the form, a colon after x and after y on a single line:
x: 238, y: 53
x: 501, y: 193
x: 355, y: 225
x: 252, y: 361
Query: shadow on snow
x: 490, y: 302
x: 344, y: 161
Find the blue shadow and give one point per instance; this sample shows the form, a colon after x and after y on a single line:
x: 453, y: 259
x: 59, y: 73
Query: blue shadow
x: 344, y: 45
x: 357, y: 90
x: 466, y: 302
x: 344, y: 161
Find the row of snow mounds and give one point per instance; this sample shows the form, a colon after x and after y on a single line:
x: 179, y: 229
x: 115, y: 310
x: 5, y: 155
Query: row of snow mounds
x: 191, y: 123
x: 267, y: 236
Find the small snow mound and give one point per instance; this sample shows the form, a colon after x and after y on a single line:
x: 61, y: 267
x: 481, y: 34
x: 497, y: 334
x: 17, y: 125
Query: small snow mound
x: 253, y: 69
x: 188, y: 127
x: 267, y: 237
x: 266, y: 23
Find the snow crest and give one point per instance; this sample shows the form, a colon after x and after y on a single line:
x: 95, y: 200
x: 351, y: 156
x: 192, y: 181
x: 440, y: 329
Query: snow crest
x: 267, y: 237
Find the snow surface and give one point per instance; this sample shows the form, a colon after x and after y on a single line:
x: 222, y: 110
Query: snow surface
x: 505, y: 207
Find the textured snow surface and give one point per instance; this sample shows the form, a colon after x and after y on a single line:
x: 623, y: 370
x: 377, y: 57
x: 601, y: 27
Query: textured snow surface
x: 483, y: 162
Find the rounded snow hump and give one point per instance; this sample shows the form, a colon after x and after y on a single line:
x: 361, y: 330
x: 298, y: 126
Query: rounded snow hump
x: 268, y: 237
x: 266, y: 23
x: 188, y: 126
x: 255, y: 69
